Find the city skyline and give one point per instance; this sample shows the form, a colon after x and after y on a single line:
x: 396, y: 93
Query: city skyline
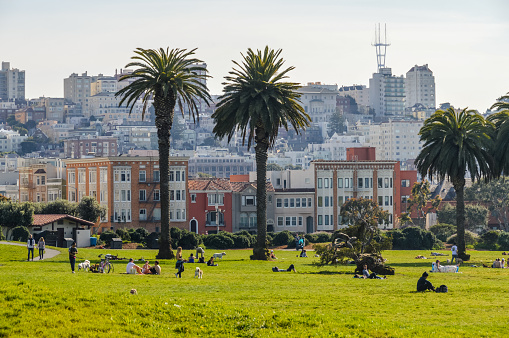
x: 328, y: 41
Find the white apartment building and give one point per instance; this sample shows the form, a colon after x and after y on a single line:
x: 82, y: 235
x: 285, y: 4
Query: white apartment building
x: 387, y: 93
x: 105, y: 105
x: 318, y: 101
x: 103, y: 84
x: 359, y: 92
x: 396, y: 140
x: 420, y: 87
x: 12, y: 83
x: 336, y: 145
x: 10, y: 140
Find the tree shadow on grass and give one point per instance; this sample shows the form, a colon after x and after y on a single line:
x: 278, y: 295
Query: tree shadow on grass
x: 414, y: 264
x: 329, y: 273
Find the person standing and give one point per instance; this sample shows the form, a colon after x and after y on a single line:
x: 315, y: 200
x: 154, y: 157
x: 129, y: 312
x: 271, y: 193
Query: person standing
x: 72, y: 255
x: 454, y: 251
x: 41, y: 246
x: 180, y: 263
x: 30, y: 246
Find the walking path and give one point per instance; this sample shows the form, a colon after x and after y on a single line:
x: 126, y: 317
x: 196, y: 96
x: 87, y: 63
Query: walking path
x: 49, y: 253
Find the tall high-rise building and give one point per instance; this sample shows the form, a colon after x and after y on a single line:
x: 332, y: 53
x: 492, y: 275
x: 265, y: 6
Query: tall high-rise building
x: 420, y: 87
x: 387, y: 93
x: 77, y: 88
x: 12, y: 83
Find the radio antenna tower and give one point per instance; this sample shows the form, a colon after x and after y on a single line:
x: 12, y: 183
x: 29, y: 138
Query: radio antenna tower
x: 381, y: 46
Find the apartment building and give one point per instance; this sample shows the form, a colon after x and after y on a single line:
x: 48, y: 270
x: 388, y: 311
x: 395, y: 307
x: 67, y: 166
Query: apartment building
x: 359, y: 92
x: 318, y: 101
x: 54, y: 107
x: 10, y: 140
x: 420, y: 87
x: 42, y: 182
x: 12, y: 83
x: 221, y: 166
x: 396, y: 140
x: 129, y: 186
x: 244, y: 205
x: 77, y: 88
x: 360, y: 176
x: 387, y: 93
x: 99, y: 147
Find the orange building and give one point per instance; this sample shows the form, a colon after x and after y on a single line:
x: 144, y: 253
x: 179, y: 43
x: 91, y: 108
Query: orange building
x: 129, y: 187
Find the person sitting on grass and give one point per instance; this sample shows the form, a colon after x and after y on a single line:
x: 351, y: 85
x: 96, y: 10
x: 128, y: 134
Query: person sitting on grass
x: 210, y: 262
x: 190, y: 259
x: 438, y: 266
x: 303, y: 253
x: 156, y: 269
x: 131, y: 266
x: 272, y: 255
x: 423, y: 284
x: 368, y: 275
x: 146, y: 268
x: 291, y: 268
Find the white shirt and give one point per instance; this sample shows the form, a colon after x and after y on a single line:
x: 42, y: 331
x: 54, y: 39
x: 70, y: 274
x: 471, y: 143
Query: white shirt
x: 30, y: 243
x: 130, y: 265
x: 454, y: 250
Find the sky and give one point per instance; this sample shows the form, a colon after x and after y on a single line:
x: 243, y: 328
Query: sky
x: 464, y: 43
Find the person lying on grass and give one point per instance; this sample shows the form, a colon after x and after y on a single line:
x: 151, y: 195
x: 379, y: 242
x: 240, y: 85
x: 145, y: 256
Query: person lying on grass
x: 423, y: 284
x: 291, y: 268
x: 372, y: 275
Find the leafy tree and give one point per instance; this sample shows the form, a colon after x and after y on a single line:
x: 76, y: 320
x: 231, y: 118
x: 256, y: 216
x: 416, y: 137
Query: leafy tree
x: 421, y: 196
x: 204, y: 175
x: 4, y: 199
x: 170, y: 77
x: 13, y: 214
x: 31, y: 124
x: 336, y: 124
x: 90, y: 210
x: 363, y: 216
x: 257, y: 103
x: 59, y: 206
x: 405, y: 218
x: 456, y: 143
x: 495, y: 195
x: 20, y: 234
x: 274, y: 167
x: 21, y: 130
x: 28, y: 146
x: 475, y: 215
x: 443, y: 231
x: 293, y: 167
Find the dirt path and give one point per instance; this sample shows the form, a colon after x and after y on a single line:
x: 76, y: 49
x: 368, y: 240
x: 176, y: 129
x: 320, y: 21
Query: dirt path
x: 49, y: 253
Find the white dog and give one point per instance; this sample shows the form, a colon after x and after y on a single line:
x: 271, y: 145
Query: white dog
x: 219, y: 255
x: 133, y: 292
x: 85, y: 265
x: 198, y: 273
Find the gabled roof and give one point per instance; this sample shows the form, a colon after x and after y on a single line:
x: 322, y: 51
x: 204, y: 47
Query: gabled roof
x: 207, y: 184
x: 43, y: 219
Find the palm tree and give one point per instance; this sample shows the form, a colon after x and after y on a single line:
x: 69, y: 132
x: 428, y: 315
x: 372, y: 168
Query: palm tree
x: 257, y: 103
x: 456, y: 142
x: 501, y: 146
x: 169, y: 77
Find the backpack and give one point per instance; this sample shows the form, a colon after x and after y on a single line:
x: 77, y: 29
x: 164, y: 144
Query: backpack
x: 442, y: 288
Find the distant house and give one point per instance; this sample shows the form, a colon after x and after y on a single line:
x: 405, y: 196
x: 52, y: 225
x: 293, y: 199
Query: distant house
x: 60, y: 226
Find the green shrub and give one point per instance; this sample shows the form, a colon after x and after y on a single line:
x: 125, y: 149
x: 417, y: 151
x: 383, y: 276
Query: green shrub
x: 443, y: 231
x: 284, y: 238
x: 2, y: 237
x: 414, y: 238
x: 219, y: 241
x: 489, y: 240
x: 470, y: 238
x: 241, y: 241
x: 20, y: 233
x: 107, y: 236
x: 175, y: 235
x: 124, y: 234
x: 323, y: 237
x: 190, y: 240
x: 138, y: 235
x: 503, y: 241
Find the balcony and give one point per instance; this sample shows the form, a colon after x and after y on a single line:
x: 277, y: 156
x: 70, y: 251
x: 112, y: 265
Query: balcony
x: 214, y: 224
x: 246, y: 225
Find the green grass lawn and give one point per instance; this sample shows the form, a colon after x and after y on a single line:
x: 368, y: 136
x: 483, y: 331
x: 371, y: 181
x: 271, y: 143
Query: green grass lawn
x: 243, y: 298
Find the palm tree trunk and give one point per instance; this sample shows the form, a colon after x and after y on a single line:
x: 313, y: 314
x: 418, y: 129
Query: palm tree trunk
x: 260, y: 250
x: 459, y: 186
x: 164, y: 119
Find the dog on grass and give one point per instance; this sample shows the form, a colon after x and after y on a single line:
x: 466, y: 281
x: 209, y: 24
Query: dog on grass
x: 133, y: 292
x: 85, y: 266
x: 198, y: 273
x: 219, y: 255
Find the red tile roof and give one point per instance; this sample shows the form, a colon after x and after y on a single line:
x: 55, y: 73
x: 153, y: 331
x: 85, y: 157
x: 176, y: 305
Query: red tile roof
x: 210, y: 184
x: 40, y: 220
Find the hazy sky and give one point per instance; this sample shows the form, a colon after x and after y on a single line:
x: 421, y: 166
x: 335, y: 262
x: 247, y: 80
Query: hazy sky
x: 465, y: 43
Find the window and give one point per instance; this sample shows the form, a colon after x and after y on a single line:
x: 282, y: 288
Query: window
x: 157, y: 195
x: 297, y: 202
x: 380, y: 182
x: 280, y: 221
x: 405, y: 183
x: 172, y: 176
x: 404, y: 199
x: 177, y: 176
x: 252, y: 220
x: 249, y: 200
x: 172, y: 195
x: 286, y: 203
x: 178, y: 195
x: 279, y: 203
x: 294, y: 221
x: 326, y: 201
x: 193, y: 198
x: 390, y: 201
x: 340, y: 183
x: 215, y: 198
x: 288, y: 221
x: 104, y: 175
x: 326, y: 182
x: 347, y: 183
x: 143, y: 214
x: 157, y: 214
x: 319, y: 183
x: 183, y: 195
x: 244, y: 220
x: 143, y: 195
x: 320, y: 220
x: 304, y: 203
x: 320, y: 201
x: 300, y: 220
x: 292, y: 202
x: 43, y: 180
x: 386, y: 182
x: 340, y: 201
x: 143, y: 175
x: 360, y: 182
x: 156, y: 176
x: 391, y: 182
x: 326, y: 219
x: 380, y: 200
x: 386, y: 200
x: 366, y: 183
x: 309, y: 202
x: 183, y: 176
